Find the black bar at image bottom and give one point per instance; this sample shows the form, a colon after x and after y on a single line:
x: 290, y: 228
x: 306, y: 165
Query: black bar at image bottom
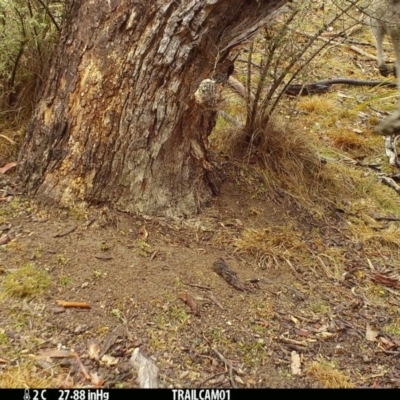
x: 115, y: 394
x: 170, y: 394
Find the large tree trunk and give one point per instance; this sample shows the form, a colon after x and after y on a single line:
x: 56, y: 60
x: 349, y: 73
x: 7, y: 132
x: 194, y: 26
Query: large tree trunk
x: 118, y: 121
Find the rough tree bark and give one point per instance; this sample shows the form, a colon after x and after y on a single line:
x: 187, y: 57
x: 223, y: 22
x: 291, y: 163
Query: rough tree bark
x: 118, y: 121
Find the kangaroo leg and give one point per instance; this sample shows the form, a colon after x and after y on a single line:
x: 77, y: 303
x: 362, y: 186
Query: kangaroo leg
x: 395, y: 36
x: 379, y: 33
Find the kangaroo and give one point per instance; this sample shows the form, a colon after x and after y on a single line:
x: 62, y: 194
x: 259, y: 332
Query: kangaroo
x: 385, y: 20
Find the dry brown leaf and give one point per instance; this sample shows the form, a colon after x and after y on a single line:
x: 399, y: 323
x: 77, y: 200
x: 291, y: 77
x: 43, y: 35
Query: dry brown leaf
x: 303, y: 332
x: 239, y: 380
x: 4, y: 240
x: 188, y: 299
x: 96, y: 380
x: 385, y: 280
x: 142, y: 232
x: 94, y: 351
x: 388, y: 343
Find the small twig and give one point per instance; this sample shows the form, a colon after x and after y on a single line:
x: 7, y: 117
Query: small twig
x: 49, y: 14
x: 211, y: 377
x: 197, y: 286
x: 58, y: 235
x: 390, y: 182
x: 293, y: 342
x: 73, y: 304
x: 212, y: 297
x: 228, y: 364
x: 350, y: 326
x: 82, y: 367
x: 384, y: 218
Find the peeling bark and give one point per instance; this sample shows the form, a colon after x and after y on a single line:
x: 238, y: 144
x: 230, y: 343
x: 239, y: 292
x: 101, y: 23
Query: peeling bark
x: 118, y: 122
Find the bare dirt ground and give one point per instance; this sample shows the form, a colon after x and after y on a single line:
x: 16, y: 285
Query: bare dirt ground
x: 150, y: 284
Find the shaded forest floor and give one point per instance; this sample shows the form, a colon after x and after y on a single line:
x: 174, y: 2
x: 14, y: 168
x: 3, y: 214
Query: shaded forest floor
x: 321, y: 260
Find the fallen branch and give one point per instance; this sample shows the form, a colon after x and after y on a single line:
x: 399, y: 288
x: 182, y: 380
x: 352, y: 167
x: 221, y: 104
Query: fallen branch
x: 230, y: 276
x: 324, y: 86
x: 391, y: 183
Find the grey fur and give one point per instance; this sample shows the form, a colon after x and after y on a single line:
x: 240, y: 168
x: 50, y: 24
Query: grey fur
x: 385, y: 20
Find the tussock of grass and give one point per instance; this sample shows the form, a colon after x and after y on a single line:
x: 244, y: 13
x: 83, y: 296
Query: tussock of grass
x: 348, y: 141
x: 282, y: 157
x: 316, y: 105
x: 328, y: 376
x: 273, y: 243
x: 389, y: 237
x: 26, y: 375
x: 284, y: 151
x: 27, y: 281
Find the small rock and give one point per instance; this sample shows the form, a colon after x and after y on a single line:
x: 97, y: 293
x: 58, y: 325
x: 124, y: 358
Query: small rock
x: 80, y: 329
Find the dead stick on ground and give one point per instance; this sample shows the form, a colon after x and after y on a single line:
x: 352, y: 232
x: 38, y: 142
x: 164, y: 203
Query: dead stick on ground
x: 82, y: 367
x: 58, y: 235
x: 197, y: 286
x: 73, y: 304
x: 211, y: 377
x: 228, y: 364
x: 212, y: 297
x: 225, y: 361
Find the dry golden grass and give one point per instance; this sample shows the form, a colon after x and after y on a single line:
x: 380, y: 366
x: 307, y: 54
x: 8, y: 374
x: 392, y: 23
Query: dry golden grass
x: 328, y: 375
x: 377, y: 238
x: 27, y: 375
x: 272, y: 244
x: 347, y: 140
